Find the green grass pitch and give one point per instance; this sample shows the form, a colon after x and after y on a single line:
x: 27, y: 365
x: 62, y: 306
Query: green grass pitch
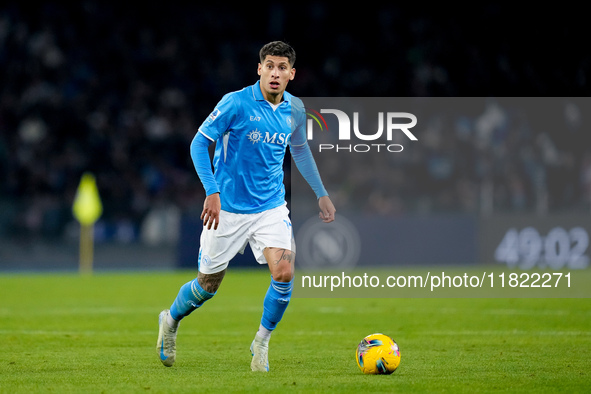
x: 62, y: 333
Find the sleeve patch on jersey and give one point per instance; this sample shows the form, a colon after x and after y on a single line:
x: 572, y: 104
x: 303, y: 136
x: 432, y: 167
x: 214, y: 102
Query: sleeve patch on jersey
x: 214, y: 114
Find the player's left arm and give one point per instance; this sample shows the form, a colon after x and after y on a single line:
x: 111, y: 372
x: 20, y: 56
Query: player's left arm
x: 327, y: 209
x: 302, y: 156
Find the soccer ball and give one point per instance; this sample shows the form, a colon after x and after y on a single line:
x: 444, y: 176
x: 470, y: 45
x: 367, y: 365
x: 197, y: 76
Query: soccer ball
x: 378, y: 354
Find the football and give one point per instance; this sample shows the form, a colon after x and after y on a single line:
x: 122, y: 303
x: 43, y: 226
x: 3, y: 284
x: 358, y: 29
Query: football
x: 378, y: 354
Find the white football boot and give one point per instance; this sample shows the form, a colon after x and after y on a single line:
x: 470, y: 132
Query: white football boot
x: 166, y: 345
x: 260, y: 354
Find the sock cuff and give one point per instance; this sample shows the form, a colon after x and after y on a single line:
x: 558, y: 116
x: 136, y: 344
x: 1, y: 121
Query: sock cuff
x: 282, y: 287
x: 198, y: 292
x: 191, y: 296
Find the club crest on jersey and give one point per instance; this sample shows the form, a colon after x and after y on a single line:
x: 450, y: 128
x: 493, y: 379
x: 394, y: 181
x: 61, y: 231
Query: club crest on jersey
x: 206, y: 261
x: 256, y: 136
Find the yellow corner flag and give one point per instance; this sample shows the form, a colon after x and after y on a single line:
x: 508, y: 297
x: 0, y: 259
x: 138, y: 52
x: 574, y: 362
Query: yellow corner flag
x: 87, y: 210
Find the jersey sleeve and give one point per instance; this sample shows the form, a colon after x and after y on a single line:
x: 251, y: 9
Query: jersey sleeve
x: 220, y: 119
x: 298, y: 115
x: 302, y: 156
x: 200, y: 156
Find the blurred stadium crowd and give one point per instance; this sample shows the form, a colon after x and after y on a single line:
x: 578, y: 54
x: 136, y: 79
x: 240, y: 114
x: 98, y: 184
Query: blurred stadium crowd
x: 120, y: 91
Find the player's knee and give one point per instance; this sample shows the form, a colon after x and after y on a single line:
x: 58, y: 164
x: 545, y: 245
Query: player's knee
x: 280, y: 263
x: 283, y: 274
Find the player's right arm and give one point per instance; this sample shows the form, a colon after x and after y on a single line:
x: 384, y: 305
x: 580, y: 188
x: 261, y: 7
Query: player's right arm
x: 211, y: 211
x: 214, y: 126
x: 212, y: 205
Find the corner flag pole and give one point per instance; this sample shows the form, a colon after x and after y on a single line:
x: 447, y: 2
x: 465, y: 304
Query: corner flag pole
x: 87, y: 209
x: 86, y: 248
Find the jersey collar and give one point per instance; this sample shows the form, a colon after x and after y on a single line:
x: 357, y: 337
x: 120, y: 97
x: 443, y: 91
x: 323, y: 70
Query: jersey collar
x: 258, y: 95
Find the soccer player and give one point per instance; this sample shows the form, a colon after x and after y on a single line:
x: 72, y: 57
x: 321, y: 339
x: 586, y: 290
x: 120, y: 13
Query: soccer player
x: 245, y: 196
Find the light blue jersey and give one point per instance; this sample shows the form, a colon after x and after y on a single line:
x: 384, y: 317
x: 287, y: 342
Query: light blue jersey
x: 251, y: 137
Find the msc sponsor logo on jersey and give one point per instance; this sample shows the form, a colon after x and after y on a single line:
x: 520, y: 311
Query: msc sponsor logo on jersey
x: 256, y: 136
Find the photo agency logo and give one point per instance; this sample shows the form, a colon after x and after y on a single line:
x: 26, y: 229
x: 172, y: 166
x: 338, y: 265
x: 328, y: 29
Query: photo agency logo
x: 350, y: 135
x: 364, y: 138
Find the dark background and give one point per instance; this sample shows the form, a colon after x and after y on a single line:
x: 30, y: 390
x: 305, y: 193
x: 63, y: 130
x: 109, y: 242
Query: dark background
x: 120, y: 89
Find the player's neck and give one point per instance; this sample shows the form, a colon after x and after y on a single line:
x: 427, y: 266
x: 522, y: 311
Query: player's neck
x: 273, y: 99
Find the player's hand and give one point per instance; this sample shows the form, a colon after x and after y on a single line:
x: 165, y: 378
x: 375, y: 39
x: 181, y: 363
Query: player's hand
x: 211, y: 211
x: 327, y: 209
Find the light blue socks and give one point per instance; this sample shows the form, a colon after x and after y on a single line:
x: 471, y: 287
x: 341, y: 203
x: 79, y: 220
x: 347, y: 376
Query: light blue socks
x: 191, y: 296
x: 276, y: 301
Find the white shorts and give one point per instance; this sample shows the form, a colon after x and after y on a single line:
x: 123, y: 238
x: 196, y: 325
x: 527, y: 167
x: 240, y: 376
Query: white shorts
x: 271, y: 228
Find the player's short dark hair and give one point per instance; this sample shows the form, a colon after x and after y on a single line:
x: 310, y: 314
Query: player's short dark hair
x: 277, y: 48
